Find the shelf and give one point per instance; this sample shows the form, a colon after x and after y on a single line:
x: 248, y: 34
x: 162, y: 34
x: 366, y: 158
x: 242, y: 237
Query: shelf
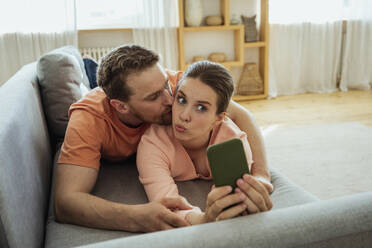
x: 255, y: 44
x: 212, y: 28
x: 226, y: 63
x: 232, y: 63
x: 239, y: 44
x: 239, y: 98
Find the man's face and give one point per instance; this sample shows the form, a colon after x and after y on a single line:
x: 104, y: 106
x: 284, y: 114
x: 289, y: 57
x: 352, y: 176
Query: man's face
x: 152, y: 100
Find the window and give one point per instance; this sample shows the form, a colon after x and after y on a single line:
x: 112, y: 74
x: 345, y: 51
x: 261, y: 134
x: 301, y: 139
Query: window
x: 37, y: 16
x: 98, y: 14
x: 314, y: 11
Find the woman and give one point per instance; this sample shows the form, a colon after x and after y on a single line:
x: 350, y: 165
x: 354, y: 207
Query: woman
x: 178, y: 152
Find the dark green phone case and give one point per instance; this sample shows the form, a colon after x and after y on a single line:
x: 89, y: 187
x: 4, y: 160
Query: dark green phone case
x: 228, y: 162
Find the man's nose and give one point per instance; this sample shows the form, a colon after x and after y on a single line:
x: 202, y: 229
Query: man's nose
x: 167, y: 98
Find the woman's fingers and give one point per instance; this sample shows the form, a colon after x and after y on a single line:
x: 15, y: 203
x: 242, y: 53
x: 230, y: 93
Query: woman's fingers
x: 232, y: 212
x: 221, y: 204
x: 258, y: 199
x: 251, y: 196
x: 265, y: 182
x: 218, y: 193
x: 260, y: 188
x: 251, y: 206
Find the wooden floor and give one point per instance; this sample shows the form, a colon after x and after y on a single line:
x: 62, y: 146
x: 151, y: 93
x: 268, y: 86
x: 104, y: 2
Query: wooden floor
x: 307, y: 109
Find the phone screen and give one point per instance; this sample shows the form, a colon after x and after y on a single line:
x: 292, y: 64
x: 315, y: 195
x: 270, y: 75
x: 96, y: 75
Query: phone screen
x: 228, y: 162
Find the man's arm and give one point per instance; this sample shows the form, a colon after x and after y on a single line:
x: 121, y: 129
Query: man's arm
x: 74, y: 204
x: 246, y: 122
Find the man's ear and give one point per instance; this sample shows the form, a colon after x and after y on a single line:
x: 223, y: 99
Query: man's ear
x: 119, y: 106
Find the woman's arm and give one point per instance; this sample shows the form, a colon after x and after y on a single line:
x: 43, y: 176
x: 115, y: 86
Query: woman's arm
x: 246, y: 122
x: 155, y: 175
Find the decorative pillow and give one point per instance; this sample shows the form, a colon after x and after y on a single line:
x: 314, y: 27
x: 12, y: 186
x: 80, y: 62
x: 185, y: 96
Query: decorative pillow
x: 250, y: 28
x: 61, y: 76
x: 91, y: 70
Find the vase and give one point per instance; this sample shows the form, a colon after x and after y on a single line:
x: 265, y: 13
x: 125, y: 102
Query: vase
x: 193, y: 13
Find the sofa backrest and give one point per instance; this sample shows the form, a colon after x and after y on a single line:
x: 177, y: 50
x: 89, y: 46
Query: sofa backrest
x: 25, y: 161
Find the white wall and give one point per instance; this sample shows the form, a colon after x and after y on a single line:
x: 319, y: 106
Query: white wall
x: 104, y: 39
x: 196, y: 43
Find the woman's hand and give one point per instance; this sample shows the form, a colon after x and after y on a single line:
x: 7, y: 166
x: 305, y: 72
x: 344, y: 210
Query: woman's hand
x: 220, y: 203
x: 265, y: 182
x: 257, y: 191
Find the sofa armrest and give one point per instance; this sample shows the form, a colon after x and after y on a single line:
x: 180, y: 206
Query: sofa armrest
x: 338, y: 222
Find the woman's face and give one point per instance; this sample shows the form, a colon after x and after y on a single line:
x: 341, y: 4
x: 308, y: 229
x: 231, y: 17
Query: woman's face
x: 194, y: 112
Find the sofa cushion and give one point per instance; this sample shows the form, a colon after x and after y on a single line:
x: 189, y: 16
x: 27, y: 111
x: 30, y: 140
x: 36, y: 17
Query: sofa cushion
x: 63, y: 81
x: 119, y: 182
x: 66, y: 235
x: 25, y: 160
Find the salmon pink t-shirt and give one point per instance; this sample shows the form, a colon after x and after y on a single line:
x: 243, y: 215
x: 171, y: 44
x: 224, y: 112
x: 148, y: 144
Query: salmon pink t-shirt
x: 94, y: 131
x: 161, y: 159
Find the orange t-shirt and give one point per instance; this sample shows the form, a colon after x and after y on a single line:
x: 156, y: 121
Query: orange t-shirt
x: 94, y: 131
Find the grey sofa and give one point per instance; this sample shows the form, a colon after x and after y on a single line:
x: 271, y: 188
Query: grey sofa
x: 27, y: 157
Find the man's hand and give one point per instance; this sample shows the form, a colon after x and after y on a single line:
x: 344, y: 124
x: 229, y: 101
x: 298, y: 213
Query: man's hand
x: 73, y: 203
x: 257, y: 191
x: 158, y: 215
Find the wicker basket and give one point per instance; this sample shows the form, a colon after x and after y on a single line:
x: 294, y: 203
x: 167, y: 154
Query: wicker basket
x: 250, y: 82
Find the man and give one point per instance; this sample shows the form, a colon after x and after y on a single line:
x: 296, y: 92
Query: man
x: 109, y: 122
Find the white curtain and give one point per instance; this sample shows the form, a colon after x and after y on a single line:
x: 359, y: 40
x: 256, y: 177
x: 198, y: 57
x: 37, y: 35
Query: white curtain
x: 31, y: 28
x: 157, y: 29
x: 305, y: 46
x: 357, y: 55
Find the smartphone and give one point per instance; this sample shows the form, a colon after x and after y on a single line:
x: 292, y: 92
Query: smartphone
x: 228, y: 162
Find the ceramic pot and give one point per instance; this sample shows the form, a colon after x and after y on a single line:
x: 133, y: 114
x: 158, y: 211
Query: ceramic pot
x: 193, y: 13
x: 213, y: 20
x: 217, y: 57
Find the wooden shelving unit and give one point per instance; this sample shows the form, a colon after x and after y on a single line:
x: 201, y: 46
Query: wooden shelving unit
x: 239, y: 44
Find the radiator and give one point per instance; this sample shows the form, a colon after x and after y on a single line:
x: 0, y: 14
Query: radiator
x: 96, y: 53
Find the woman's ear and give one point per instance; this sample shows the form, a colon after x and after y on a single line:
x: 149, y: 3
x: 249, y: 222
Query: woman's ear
x: 220, y: 117
x: 119, y: 106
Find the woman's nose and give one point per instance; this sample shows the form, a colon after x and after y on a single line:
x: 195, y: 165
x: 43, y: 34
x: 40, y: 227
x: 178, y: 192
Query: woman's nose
x: 185, y: 115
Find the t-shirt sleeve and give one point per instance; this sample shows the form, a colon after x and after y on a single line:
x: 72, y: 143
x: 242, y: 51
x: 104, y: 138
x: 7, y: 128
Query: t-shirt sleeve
x: 174, y: 78
x: 154, y: 170
x: 83, y: 140
x: 228, y: 130
x: 247, y: 149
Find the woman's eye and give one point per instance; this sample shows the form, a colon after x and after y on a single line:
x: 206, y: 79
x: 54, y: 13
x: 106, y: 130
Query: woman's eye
x: 181, y: 100
x: 201, y: 108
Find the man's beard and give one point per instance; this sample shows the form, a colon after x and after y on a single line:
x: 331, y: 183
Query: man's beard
x: 164, y: 119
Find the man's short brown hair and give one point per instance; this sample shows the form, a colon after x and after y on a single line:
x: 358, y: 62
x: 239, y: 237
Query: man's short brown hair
x: 116, y: 66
